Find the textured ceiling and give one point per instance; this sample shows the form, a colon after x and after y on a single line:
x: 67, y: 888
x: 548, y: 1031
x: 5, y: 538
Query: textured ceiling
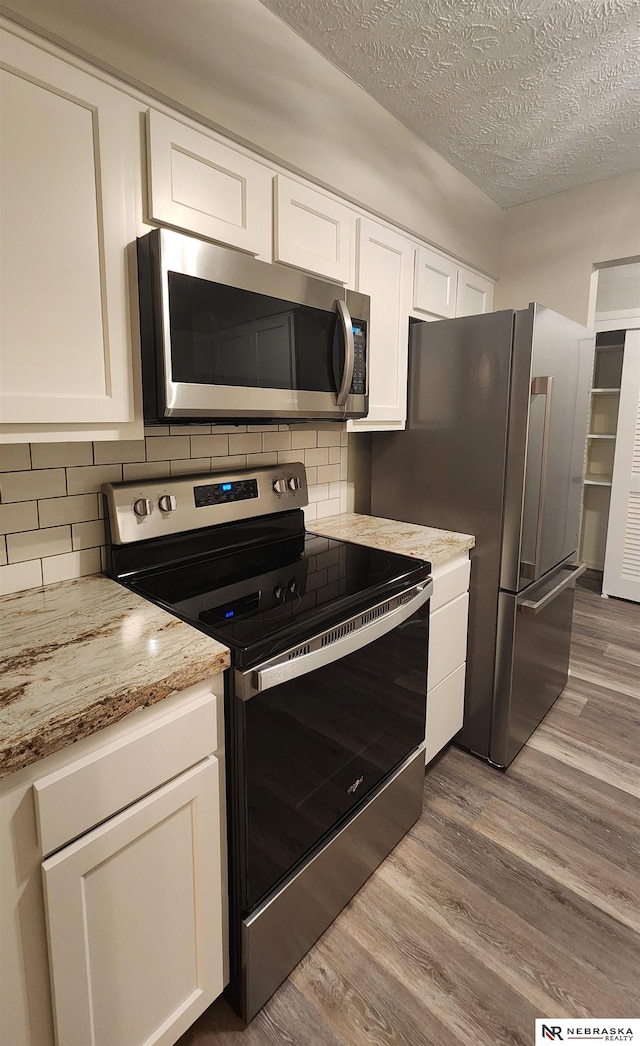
x: 525, y: 97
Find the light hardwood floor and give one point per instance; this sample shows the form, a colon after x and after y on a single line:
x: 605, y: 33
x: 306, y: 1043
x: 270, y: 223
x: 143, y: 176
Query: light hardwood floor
x: 515, y: 895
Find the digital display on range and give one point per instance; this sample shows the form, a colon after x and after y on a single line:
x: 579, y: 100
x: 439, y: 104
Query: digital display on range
x: 245, y: 605
x: 223, y: 493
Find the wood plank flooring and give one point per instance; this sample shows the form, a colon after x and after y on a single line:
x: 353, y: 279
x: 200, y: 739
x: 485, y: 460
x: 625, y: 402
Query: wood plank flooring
x: 515, y: 895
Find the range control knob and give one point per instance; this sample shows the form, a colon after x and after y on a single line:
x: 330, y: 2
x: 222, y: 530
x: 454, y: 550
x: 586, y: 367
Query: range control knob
x: 294, y: 588
x: 167, y: 503
x: 278, y: 592
x: 293, y: 483
x: 143, y: 507
x: 280, y: 486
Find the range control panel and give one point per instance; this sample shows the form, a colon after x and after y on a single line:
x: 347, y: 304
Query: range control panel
x: 177, y: 504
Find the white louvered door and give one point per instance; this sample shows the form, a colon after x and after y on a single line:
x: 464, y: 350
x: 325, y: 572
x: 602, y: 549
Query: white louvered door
x: 622, y: 557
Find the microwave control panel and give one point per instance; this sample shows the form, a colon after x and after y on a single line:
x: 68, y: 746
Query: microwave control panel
x: 359, y: 381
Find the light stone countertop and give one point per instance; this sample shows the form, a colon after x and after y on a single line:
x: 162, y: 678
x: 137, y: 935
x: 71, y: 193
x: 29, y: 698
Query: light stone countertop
x: 408, y: 539
x: 80, y: 655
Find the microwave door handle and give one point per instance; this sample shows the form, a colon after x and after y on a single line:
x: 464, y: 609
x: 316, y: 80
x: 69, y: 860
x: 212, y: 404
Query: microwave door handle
x: 349, y: 352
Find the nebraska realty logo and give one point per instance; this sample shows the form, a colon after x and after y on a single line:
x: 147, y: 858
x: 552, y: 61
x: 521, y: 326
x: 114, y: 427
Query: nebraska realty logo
x: 603, y: 1029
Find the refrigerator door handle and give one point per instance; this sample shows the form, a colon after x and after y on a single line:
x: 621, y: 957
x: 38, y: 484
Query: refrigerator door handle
x: 541, y: 386
x: 527, y: 606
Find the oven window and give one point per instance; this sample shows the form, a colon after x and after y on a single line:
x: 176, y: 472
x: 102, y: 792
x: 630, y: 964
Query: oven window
x: 315, y: 746
x: 227, y: 336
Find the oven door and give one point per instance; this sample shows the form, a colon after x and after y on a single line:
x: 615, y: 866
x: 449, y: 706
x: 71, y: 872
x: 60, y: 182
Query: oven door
x: 319, y: 728
x: 234, y: 338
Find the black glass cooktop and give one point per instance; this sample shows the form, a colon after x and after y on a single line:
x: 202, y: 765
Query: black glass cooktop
x: 258, y: 600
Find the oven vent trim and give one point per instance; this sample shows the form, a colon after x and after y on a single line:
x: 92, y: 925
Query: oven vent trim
x: 300, y: 651
x: 339, y: 633
x: 379, y: 611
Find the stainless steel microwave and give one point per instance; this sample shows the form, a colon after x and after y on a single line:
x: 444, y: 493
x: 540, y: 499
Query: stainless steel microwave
x: 227, y: 337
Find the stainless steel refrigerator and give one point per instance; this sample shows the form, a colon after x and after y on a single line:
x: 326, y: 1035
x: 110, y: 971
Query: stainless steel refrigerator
x: 495, y: 446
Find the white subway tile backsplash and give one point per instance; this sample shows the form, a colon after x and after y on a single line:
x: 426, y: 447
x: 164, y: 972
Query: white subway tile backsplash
x: 193, y: 430
x: 301, y: 438
x: 258, y: 460
x: 14, y: 457
x: 87, y: 535
x: 209, y: 446
x: 52, y: 507
x: 77, y: 509
x: 38, y: 483
x: 168, y: 448
x: 245, y: 443
x: 35, y: 544
x: 329, y: 437
x: 328, y: 508
x: 73, y: 564
x: 286, y: 457
x: 18, y: 576
x: 145, y: 470
x: 317, y: 457
x: 86, y: 480
x: 319, y: 492
x: 59, y: 455
x: 22, y: 515
x: 237, y: 461
x: 276, y: 441
x: 328, y: 473
x: 189, y: 466
x: 119, y: 451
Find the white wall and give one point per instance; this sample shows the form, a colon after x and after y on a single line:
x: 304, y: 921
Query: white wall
x: 233, y: 63
x: 619, y: 287
x: 551, y: 246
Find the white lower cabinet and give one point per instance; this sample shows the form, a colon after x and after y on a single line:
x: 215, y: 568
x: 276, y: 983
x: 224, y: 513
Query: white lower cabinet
x: 385, y: 260
x: 114, y: 894
x: 134, y: 918
x: 448, y: 620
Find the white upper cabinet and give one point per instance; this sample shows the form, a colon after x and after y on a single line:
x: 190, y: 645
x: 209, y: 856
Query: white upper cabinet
x: 199, y: 184
x: 435, y: 283
x: 70, y: 178
x: 385, y: 269
x: 312, y: 231
x: 474, y: 295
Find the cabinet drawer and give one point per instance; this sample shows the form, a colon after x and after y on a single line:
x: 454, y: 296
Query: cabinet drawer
x: 450, y: 581
x: 445, y: 711
x: 147, y: 750
x: 447, y: 639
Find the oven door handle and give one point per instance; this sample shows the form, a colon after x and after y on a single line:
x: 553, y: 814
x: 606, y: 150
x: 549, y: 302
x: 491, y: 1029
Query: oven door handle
x: 286, y: 667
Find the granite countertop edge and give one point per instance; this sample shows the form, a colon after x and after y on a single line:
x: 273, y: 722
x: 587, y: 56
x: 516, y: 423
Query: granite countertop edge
x: 81, y: 655
x: 409, y: 539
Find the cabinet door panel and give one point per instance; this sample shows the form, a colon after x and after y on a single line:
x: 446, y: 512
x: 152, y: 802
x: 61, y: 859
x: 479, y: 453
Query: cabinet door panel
x: 312, y: 232
x: 134, y: 918
x: 445, y: 711
x: 475, y: 294
x: 202, y: 185
x: 70, y: 152
x: 447, y: 639
x: 384, y: 272
x: 435, y: 283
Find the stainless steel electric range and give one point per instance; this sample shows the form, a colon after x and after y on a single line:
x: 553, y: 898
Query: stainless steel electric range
x: 324, y: 701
